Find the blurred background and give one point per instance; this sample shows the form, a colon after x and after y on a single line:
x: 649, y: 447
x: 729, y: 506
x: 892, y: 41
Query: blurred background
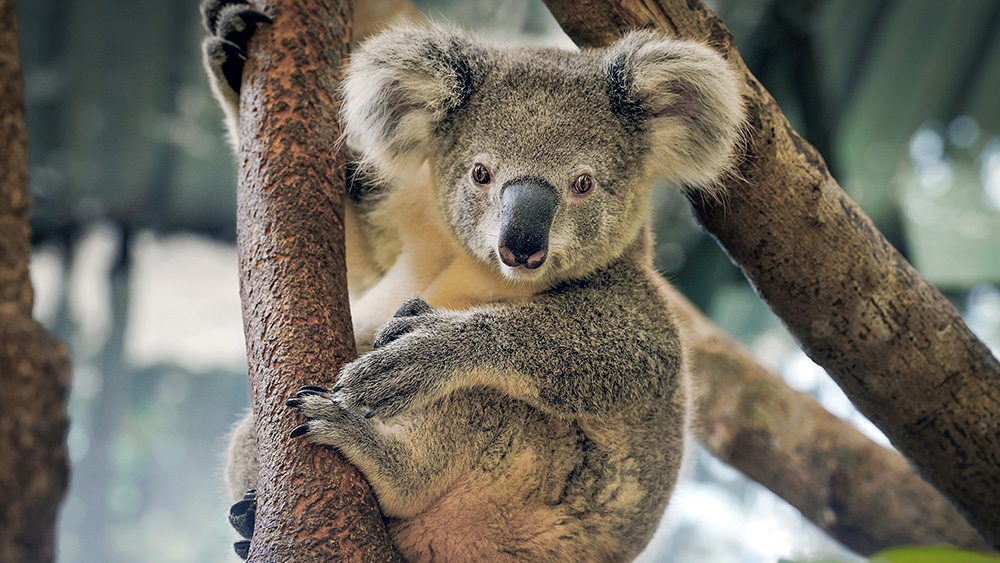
x: 135, y: 265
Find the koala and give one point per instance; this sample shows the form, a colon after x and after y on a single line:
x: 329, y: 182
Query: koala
x: 523, y: 395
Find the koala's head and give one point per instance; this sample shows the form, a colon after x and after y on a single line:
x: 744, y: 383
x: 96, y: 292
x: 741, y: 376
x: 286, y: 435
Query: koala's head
x: 542, y: 158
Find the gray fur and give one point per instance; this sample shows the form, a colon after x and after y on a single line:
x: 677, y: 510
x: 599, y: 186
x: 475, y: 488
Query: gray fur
x: 544, y: 420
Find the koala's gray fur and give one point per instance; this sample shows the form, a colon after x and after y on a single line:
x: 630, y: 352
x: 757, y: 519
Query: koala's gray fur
x: 526, y: 413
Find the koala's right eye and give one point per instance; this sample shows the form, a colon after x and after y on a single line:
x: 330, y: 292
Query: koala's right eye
x: 481, y: 174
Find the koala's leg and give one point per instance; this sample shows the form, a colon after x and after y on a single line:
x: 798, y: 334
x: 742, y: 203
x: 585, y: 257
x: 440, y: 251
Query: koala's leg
x: 231, y: 23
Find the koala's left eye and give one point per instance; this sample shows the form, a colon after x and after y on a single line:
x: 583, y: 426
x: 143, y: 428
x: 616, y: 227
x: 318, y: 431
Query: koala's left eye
x: 583, y: 184
x: 481, y: 174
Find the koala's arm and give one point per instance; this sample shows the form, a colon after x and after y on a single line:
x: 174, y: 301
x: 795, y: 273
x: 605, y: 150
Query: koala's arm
x: 597, y: 347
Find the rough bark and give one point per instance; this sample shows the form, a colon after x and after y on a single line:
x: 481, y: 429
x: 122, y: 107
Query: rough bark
x: 313, y: 505
x: 34, y: 369
x: 863, y: 495
x: 894, y: 344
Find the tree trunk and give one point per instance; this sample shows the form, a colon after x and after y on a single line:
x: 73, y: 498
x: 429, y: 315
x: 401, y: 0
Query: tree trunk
x: 34, y: 367
x: 312, y: 505
x: 897, y: 347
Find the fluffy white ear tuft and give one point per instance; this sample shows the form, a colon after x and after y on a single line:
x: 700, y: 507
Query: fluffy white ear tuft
x: 686, y: 96
x: 400, y: 86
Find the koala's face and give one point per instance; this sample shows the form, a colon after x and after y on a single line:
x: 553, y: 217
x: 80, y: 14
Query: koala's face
x: 542, y: 158
x: 536, y: 174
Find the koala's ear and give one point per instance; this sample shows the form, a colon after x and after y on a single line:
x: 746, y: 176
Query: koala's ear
x: 399, y: 88
x: 687, y: 98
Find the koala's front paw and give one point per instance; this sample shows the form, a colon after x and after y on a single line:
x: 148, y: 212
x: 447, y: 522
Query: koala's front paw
x: 400, y: 372
x: 241, y: 517
x: 231, y: 23
x: 328, y: 422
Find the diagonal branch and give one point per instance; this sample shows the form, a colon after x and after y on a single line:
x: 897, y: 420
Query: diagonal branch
x: 863, y: 495
x: 897, y: 347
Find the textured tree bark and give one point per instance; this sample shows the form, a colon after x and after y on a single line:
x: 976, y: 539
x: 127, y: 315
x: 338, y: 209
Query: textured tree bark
x: 858, y: 492
x: 897, y: 347
x: 34, y: 366
x: 312, y: 505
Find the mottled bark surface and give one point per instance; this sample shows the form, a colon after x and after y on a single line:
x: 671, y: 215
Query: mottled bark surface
x: 313, y: 506
x: 897, y: 347
x: 860, y: 493
x: 34, y: 369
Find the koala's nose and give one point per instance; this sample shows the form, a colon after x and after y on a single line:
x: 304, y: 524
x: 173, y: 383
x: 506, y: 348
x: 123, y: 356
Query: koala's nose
x: 526, y: 210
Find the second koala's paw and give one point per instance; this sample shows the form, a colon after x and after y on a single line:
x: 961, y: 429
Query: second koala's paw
x: 242, y: 516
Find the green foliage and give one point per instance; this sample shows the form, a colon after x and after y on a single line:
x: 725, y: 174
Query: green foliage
x: 824, y: 559
x: 931, y: 554
x: 934, y: 554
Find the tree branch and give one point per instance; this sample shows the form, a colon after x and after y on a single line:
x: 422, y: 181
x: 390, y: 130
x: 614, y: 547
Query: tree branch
x: 861, y: 494
x: 34, y: 367
x: 312, y: 505
x: 897, y: 347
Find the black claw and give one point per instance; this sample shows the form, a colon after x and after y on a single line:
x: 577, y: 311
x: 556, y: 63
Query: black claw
x: 299, y: 430
x: 311, y: 390
x: 369, y: 414
x: 256, y: 17
x: 336, y: 388
x: 293, y: 403
x: 242, y: 548
x: 232, y: 66
x: 233, y: 50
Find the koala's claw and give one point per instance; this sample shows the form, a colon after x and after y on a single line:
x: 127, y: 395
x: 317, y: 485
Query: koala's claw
x: 300, y: 430
x: 232, y: 51
x: 242, y: 516
x: 307, y: 390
